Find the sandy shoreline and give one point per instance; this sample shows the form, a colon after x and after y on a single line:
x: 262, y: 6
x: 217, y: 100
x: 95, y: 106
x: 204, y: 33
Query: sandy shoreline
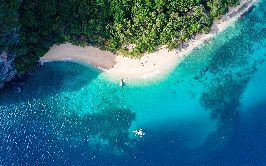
x: 150, y: 65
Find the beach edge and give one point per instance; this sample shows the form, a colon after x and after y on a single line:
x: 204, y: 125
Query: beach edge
x: 151, y: 66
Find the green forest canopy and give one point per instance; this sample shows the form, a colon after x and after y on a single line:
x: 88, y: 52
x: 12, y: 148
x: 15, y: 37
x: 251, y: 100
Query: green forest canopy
x: 108, y: 24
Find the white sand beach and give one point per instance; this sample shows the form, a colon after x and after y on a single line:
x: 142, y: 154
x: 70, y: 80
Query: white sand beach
x: 150, y: 65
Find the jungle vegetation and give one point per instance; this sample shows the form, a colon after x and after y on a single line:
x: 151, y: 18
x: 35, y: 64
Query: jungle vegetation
x: 108, y: 24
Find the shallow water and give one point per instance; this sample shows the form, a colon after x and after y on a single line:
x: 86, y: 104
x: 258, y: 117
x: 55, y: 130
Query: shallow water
x: 210, y: 110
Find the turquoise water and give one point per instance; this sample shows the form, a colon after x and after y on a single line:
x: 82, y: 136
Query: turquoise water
x: 210, y: 110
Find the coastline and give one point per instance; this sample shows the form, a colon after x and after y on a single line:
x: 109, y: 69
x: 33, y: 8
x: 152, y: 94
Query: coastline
x: 150, y: 65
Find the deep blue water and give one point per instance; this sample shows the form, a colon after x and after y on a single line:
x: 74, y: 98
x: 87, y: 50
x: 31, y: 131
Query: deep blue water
x: 210, y: 110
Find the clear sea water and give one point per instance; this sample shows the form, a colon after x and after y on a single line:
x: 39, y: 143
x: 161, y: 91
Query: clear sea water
x: 209, y: 111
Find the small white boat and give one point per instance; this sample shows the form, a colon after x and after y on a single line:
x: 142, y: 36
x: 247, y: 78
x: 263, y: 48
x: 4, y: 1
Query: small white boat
x: 139, y: 133
x: 121, y: 84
